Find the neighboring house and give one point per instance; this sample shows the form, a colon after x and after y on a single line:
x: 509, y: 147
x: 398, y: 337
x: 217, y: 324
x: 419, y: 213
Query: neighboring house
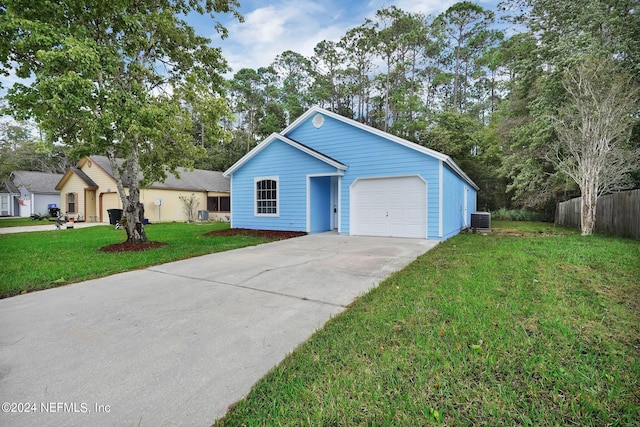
x: 89, y: 190
x: 9, y: 195
x: 326, y: 172
x: 29, y: 193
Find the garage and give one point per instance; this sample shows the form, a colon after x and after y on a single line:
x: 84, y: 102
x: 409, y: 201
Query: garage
x: 390, y: 206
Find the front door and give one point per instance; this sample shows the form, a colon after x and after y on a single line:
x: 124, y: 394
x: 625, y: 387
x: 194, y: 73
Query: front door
x: 320, y: 204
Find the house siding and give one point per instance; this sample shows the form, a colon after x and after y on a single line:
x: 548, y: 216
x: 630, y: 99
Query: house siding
x: 453, y: 203
x: 172, y: 208
x: 292, y: 187
x: 104, y: 197
x: 73, y: 185
x: 369, y: 155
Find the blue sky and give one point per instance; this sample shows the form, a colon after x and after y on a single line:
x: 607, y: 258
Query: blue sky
x: 272, y: 27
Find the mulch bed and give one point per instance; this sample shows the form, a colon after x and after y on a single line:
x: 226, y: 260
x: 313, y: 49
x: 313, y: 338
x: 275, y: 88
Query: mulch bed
x: 131, y: 247
x: 269, y: 234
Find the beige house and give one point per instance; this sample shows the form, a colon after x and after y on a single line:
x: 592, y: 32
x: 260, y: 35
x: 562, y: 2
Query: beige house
x: 89, y: 190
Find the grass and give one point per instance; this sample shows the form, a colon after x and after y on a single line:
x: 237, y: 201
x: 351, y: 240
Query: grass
x: 44, y: 259
x: 529, y: 325
x: 22, y: 222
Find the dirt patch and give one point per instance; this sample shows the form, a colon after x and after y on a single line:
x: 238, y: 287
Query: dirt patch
x: 512, y: 232
x: 132, y: 247
x: 269, y: 234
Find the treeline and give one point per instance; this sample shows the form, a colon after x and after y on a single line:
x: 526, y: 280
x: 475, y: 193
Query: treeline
x: 487, y: 89
x: 476, y: 86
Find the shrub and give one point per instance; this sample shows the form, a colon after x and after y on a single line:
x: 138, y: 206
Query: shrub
x: 504, y: 214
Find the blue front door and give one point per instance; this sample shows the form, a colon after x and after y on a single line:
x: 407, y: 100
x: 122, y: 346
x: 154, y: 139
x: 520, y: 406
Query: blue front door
x: 321, y: 206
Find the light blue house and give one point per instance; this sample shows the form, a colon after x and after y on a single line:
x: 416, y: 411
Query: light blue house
x: 326, y: 172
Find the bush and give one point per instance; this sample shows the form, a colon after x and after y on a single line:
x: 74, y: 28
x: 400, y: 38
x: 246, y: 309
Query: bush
x: 504, y: 214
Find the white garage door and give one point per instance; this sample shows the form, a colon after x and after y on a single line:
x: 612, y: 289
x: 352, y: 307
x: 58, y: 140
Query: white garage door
x: 389, y: 207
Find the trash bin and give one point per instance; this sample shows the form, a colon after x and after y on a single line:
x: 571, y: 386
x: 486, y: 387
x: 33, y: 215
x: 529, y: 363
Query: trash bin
x: 54, y: 212
x: 114, y: 215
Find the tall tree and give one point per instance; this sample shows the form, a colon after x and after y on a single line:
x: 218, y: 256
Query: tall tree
x: 113, y: 78
x: 593, y: 129
x: 327, y: 61
x: 21, y: 149
x: 357, y: 44
x: 467, y: 25
x: 561, y: 33
x: 297, y: 75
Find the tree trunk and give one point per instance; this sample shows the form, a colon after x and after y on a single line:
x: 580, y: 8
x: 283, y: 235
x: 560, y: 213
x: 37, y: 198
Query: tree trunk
x: 589, y: 203
x: 133, y: 211
x: 134, y: 214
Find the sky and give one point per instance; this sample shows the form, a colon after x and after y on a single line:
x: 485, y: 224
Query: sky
x: 273, y: 27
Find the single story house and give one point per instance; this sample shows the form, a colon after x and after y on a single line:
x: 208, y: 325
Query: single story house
x: 327, y: 172
x: 89, y: 190
x: 29, y: 193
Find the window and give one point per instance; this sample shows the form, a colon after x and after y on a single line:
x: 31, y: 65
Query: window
x: 219, y: 204
x: 267, y: 196
x: 225, y: 204
x: 71, y: 203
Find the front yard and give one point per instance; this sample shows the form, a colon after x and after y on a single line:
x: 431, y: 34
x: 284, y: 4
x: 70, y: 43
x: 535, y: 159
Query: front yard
x: 40, y: 260
x: 530, y: 325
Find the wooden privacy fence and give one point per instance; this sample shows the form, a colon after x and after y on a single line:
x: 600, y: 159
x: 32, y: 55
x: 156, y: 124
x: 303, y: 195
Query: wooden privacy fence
x: 617, y: 214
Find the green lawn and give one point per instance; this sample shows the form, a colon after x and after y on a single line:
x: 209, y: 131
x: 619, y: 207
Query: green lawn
x: 530, y: 325
x: 22, y: 222
x: 44, y: 259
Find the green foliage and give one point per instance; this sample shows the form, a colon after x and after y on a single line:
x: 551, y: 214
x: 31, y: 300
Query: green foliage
x: 561, y: 35
x: 190, y: 206
x: 122, y: 78
x: 20, y: 150
x: 504, y: 214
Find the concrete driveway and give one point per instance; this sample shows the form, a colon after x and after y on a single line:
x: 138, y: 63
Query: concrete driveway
x: 176, y: 344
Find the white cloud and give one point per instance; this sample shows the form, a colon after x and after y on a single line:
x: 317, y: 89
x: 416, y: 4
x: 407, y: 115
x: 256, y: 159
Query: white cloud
x: 426, y: 7
x: 288, y: 25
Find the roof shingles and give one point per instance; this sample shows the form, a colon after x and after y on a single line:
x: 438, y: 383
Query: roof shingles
x: 190, y: 180
x: 37, y: 182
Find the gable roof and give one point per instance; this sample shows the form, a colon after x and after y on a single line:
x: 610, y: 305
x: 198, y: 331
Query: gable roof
x: 10, y: 187
x: 190, y: 180
x: 412, y: 145
x: 36, y: 182
x: 91, y: 185
x: 295, y: 144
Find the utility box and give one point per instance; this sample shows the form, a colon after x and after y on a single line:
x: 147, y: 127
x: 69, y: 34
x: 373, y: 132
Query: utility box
x: 481, y: 221
x: 203, y: 215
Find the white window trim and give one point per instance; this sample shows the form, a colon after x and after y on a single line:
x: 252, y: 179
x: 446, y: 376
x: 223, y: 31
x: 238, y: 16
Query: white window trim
x: 255, y: 198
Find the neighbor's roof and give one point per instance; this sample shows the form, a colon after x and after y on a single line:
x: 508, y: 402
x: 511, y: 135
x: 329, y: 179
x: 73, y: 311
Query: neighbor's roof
x: 195, y: 180
x: 91, y: 185
x: 37, y: 182
x: 10, y: 187
x: 190, y: 180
